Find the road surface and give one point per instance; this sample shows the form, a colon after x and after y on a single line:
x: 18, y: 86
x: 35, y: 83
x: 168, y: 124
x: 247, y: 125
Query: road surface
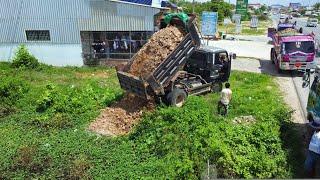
x: 297, y: 78
x: 304, y: 92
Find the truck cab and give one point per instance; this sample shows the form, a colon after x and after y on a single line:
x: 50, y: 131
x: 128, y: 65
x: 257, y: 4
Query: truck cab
x: 211, y: 63
x: 293, y: 52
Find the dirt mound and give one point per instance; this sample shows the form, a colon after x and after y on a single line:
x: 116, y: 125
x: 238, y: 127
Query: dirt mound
x: 244, y: 120
x: 120, y: 117
x: 150, y: 56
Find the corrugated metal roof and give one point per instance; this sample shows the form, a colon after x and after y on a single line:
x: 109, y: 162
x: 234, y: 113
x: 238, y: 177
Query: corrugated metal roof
x: 66, y: 18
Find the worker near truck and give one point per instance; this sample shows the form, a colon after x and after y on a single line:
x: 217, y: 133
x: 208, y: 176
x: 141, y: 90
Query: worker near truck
x: 225, y: 98
x: 313, y: 155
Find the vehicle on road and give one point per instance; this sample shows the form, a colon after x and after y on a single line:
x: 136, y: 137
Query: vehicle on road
x: 283, y: 16
x: 191, y: 69
x: 283, y: 26
x: 293, y: 51
x: 313, y: 105
x: 312, y: 22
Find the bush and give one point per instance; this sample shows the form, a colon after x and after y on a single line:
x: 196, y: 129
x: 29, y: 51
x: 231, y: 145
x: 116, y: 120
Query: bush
x: 263, y: 17
x: 57, y: 107
x: 23, y: 59
x: 11, y: 90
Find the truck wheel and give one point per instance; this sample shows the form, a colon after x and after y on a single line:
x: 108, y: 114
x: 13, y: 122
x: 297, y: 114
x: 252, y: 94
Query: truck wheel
x: 216, y: 87
x: 176, y: 97
x: 278, y: 67
x: 272, y: 55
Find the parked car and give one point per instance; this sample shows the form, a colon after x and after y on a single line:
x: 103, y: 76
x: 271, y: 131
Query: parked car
x: 283, y: 16
x: 312, y: 22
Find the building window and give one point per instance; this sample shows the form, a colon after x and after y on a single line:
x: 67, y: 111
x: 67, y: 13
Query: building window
x: 38, y: 35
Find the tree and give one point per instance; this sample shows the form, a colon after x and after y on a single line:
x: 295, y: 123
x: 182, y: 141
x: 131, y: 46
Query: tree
x: 223, y: 8
x: 317, y: 6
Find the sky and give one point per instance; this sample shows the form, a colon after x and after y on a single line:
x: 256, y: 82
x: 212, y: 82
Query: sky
x: 283, y: 2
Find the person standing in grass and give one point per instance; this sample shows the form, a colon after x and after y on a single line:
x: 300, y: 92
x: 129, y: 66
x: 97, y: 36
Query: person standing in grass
x: 225, y: 98
x: 313, y: 155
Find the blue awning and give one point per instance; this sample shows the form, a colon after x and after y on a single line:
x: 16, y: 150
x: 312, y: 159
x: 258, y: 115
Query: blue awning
x: 168, y: 4
x: 144, y: 2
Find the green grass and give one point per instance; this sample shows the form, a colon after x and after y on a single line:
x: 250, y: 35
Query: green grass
x: 170, y: 143
x: 246, y: 30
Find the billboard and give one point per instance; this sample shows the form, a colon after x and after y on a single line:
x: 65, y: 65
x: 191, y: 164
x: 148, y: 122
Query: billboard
x: 209, y: 23
x: 254, y: 22
x: 242, y: 7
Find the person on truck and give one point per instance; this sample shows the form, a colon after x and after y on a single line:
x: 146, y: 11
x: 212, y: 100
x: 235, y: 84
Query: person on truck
x: 313, y: 155
x: 225, y: 99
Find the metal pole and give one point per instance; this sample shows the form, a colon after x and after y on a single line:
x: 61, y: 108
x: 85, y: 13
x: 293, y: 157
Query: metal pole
x: 193, y: 1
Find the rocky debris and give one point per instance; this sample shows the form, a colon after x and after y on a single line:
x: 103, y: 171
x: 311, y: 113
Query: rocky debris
x: 150, y: 56
x: 244, y: 120
x: 120, y: 117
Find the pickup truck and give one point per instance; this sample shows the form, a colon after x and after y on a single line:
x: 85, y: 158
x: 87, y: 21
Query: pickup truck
x: 293, y: 51
x: 191, y: 69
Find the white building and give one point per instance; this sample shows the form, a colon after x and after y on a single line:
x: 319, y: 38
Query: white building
x: 67, y: 32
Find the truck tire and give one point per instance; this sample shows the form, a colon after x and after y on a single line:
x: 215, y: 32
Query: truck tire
x: 216, y: 87
x: 278, y: 68
x: 272, y: 55
x: 176, y: 97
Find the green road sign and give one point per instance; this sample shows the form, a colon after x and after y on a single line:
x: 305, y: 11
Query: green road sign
x: 242, y: 7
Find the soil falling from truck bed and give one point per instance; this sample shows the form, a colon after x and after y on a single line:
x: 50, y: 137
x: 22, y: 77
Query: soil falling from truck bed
x: 160, y: 45
x: 120, y: 117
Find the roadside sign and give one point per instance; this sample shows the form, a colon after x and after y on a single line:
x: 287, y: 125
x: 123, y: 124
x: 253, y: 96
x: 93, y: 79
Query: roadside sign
x: 237, y: 18
x: 254, y: 22
x: 242, y: 7
x: 227, y: 21
x: 238, y: 28
x: 209, y: 23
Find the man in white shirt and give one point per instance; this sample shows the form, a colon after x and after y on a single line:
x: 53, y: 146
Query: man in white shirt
x: 313, y: 155
x: 225, y: 99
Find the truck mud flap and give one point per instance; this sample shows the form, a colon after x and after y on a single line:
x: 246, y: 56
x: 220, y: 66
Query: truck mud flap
x: 133, y: 84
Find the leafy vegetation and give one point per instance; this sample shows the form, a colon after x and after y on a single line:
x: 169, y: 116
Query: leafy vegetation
x: 224, y: 9
x: 246, y: 29
x: 46, y: 137
x: 23, y: 59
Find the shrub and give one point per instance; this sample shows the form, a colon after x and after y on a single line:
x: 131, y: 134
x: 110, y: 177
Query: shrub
x: 57, y: 106
x: 11, y: 90
x: 263, y: 17
x: 23, y: 59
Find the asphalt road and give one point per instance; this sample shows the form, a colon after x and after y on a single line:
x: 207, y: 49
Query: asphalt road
x: 304, y: 92
x: 296, y: 77
x: 302, y: 22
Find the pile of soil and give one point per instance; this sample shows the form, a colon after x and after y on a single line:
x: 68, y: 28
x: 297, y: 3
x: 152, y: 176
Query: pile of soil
x: 120, y: 117
x: 150, y: 56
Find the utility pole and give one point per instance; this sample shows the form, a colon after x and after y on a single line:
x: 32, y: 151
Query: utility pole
x: 193, y: 6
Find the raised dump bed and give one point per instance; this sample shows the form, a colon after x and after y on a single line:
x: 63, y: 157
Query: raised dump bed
x: 155, y: 83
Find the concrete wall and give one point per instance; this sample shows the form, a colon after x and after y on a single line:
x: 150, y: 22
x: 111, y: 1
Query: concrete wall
x: 53, y: 54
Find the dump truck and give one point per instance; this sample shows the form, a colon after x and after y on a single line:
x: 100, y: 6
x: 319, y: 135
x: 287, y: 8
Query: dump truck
x: 293, y: 51
x: 283, y: 26
x: 191, y: 69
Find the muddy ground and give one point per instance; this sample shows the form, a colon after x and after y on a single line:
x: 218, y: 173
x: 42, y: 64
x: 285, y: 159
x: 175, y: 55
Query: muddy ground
x: 120, y: 117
